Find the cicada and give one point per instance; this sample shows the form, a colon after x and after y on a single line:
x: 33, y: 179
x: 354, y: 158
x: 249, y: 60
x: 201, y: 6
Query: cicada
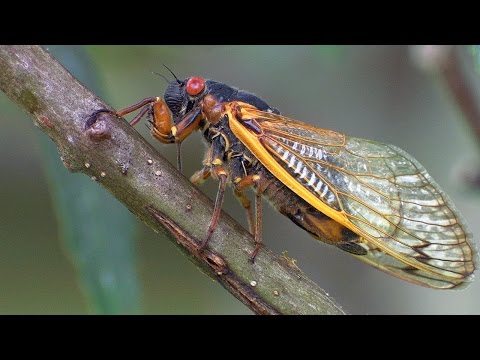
x: 369, y: 199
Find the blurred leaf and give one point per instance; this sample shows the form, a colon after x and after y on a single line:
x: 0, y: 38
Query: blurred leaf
x: 98, y: 231
x: 475, y: 51
x: 331, y: 52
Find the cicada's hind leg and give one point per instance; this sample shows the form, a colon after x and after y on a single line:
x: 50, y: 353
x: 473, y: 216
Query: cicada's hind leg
x: 199, y: 177
x: 238, y: 173
x: 240, y: 187
x: 241, y: 182
x: 247, y: 205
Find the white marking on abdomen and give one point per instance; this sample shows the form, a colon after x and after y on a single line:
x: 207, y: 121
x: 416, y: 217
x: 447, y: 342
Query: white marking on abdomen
x: 285, y: 155
x: 312, y: 180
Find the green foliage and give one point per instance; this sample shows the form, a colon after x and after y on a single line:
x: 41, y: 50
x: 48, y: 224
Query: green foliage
x: 475, y: 51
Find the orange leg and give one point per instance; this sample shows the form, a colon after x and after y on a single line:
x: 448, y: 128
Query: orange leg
x: 246, y: 182
x: 240, y: 186
x: 137, y: 106
x: 201, y: 175
x: 137, y: 117
x: 162, y: 120
x: 245, y: 202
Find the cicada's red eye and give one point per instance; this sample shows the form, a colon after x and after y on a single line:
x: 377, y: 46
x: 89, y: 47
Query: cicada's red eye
x: 195, y: 85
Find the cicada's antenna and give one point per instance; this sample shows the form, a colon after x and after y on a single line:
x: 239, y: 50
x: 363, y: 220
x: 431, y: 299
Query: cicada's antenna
x: 162, y: 76
x: 171, y: 72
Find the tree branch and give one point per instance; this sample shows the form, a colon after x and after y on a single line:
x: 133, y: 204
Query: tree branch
x: 446, y: 61
x: 112, y: 153
x: 461, y: 89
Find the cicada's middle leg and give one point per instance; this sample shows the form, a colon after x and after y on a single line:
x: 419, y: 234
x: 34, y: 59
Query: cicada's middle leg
x: 214, y: 167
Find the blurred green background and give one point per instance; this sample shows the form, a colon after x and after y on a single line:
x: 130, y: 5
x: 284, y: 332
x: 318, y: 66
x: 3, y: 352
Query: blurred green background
x: 374, y: 92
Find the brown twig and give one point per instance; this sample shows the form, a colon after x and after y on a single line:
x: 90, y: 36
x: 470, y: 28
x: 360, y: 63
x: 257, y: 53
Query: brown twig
x: 461, y: 89
x: 446, y: 62
x: 112, y: 153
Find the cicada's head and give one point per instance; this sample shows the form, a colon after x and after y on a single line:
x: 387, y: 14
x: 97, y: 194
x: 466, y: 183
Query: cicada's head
x: 182, y: 96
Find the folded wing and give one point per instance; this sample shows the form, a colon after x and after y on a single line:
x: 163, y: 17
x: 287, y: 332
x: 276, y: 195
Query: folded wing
x: 409, y: 226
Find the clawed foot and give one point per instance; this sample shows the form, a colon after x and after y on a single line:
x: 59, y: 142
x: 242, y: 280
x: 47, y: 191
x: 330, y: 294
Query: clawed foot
x: 92, y: 119
x: 255, y: 251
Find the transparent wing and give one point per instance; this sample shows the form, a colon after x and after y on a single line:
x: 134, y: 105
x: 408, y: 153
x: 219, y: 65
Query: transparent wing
x: 409, y: 226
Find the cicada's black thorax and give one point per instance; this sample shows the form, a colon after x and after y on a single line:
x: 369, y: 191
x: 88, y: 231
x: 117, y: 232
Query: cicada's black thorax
x: 180, y: 103
x: 225, y: 93
x: 234, y: 148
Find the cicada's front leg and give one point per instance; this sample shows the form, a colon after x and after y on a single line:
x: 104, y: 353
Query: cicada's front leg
x: 161, y: 120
